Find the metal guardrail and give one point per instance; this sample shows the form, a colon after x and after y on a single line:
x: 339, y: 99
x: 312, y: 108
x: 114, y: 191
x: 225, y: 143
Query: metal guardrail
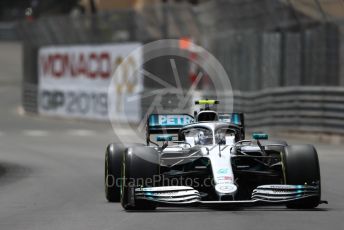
x: 312, y: 109
x: 306, y: 109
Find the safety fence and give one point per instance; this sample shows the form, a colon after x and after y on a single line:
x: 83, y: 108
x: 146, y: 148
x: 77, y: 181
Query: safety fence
x: 255, y: 61
x: 262, y: 44
x: 276, y: 54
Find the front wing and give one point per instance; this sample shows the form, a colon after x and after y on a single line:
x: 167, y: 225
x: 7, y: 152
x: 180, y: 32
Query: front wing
x: 262, y: 195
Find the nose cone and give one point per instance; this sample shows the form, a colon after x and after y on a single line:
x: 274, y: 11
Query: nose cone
x: 226, y: 189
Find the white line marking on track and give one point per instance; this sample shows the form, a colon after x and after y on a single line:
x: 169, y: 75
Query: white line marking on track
x: 124, y: 132
x: 35, y: 133
x: 81, y: 132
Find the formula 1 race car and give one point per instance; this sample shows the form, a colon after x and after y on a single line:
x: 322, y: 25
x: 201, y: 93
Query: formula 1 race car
x: 205, y: 160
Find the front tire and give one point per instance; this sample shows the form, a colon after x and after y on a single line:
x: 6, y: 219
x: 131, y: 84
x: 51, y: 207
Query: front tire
x: 301, y: 166
x: 140, y: 166
x: 113, y: 160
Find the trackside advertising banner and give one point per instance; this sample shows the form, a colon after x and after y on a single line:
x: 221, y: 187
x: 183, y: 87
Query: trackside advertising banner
x: 74, y: 81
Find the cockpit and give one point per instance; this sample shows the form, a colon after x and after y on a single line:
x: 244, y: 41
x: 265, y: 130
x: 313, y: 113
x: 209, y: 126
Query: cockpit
x: 207, y: 136
x: 197, y: 136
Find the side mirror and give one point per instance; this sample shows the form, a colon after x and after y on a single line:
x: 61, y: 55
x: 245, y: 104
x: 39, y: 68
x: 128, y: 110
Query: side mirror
x: 260, y: 136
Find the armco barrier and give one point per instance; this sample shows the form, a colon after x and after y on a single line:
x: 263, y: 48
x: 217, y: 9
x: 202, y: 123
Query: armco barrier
x: 313, y: 109
x: 306, y: 109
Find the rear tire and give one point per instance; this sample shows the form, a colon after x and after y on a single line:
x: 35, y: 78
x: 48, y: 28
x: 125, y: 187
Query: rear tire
x: 301, y: 167
x: 113, y: 160
x: 140, y: 166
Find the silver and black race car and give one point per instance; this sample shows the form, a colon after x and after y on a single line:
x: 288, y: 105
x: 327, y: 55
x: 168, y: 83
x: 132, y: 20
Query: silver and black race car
x: 205, y: 160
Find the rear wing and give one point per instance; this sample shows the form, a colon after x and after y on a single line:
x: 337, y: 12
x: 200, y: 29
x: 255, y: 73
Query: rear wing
x: 172, y: 123
x: 166, y: 123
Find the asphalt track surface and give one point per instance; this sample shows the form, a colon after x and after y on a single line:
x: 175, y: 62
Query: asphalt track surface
x: 51, y: 177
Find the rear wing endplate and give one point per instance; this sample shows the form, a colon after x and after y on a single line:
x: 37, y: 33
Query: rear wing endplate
x: 166, y: 123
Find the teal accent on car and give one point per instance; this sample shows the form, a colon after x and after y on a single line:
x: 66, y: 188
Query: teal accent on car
x: 260, y: 136
x: 164, y: 138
